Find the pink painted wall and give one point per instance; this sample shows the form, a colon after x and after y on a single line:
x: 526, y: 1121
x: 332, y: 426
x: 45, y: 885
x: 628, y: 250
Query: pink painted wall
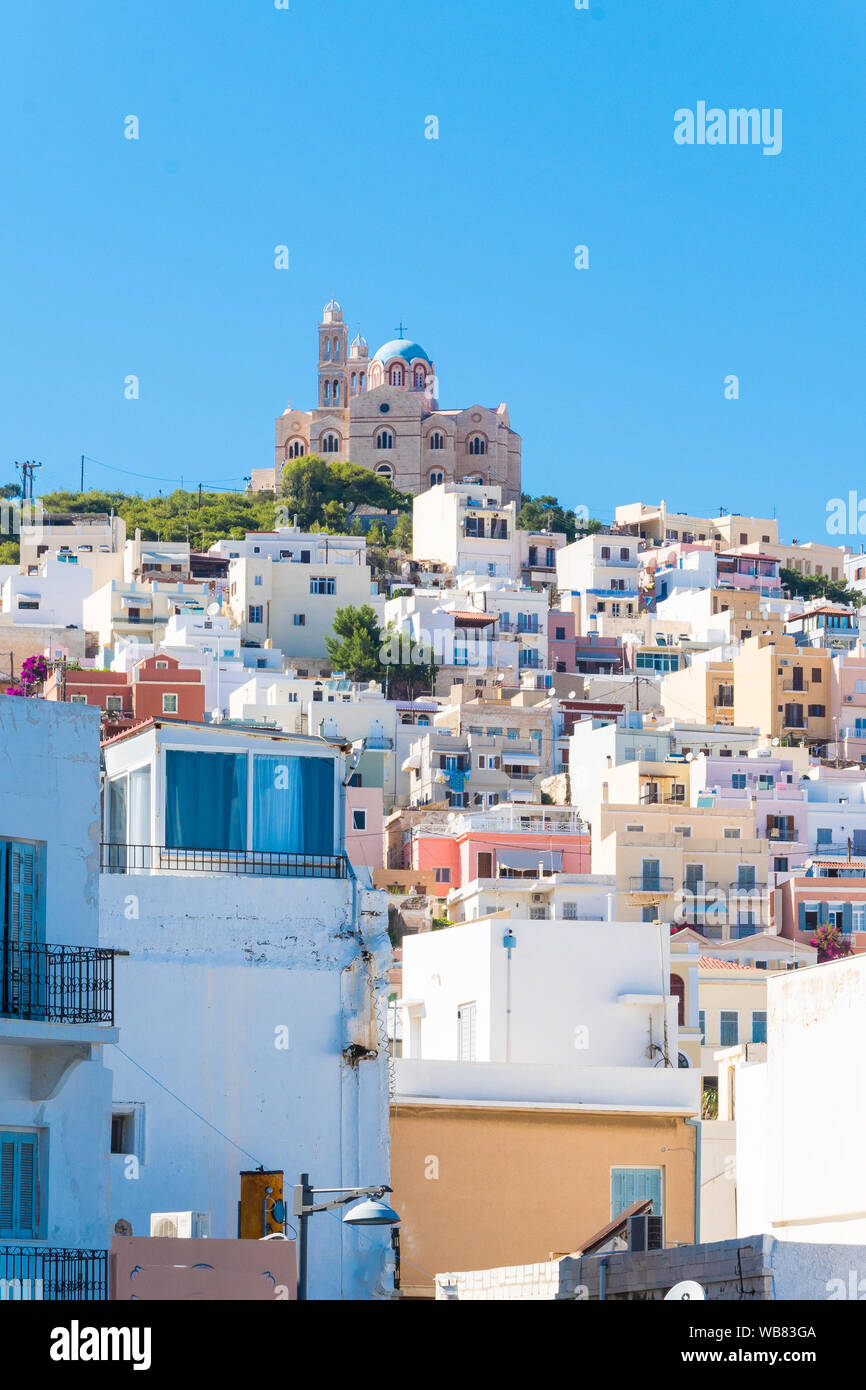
x: 153, y: 1268
x: 365, y: 847
x: 460, y: 854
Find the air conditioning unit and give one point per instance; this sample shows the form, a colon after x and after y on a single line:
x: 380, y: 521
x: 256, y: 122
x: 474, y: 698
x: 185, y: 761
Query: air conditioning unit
x: 646, y: 1233
x: 538, y: 897
x: 180, y: 1225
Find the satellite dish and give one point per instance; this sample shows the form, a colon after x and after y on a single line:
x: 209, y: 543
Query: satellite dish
x: 775, y: 742
x: 687, y: 1289
x: 690, y: 757
x: 213, y: 609
x: 572, y: 694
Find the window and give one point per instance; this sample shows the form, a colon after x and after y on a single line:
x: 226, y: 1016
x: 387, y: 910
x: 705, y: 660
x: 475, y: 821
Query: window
x: 436, y: 477
x: 300, y: 620
x: 321, y: 585
x: 630, y: 1185
x: 560, y: 634
x: 19, y: 1184
x: 729, y: 1031
x: 78, y: 699
x: 384, y: 470
x: 330, y: 444
x: 569, y: 912
x: 297, y: 449
x: 114, y: 703
x: 396, y: 376
x: 169, y: 704
x: 162, y: 666
x: 257, y: 581
x: 738, y: 780
x: 759, y: 1026
x: 359, y: 820
x: 443, y: 875
x: 702, y: 1024
x: 255, y: 613
x: 816, y: 711
x: 816, y: 675
x: 28, y: 603
x: 466, y: 1032
x: 732, y: 833
x: 384, y: 440
x: 477, y: 445
x: 436, y: 440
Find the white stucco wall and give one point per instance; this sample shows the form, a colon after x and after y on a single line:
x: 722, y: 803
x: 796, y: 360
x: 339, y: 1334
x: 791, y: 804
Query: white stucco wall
x: 218, y: 966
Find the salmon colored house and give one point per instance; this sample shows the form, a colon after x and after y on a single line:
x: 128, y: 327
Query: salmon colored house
x: 831, y: 893
x: 157, y: 687
x: 510, y: 841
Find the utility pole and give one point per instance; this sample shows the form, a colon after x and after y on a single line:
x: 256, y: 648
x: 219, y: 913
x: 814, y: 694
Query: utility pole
x: 27, y: 470
x: 199, y: 496
x: 637, y: 693
x: 81, y: 489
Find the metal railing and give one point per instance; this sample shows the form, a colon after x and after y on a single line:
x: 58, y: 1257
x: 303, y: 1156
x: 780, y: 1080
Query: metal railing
x: 56, y: 984
x: 649, y: 883
x: 131, y: 859
x: 48, y: 1272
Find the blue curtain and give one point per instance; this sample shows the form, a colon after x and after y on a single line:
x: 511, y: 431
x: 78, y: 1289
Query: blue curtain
x: 205, y: 800
x: 293, y: 804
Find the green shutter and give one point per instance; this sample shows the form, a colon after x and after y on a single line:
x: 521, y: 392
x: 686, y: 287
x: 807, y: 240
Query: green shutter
x: 18, y: 1186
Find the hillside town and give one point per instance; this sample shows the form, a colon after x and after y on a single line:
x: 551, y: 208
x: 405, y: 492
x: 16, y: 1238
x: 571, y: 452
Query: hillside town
x: 466, y: 894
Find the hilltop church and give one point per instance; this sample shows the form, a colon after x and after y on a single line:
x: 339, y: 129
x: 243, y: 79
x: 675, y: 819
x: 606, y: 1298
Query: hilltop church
x: 382, y: 412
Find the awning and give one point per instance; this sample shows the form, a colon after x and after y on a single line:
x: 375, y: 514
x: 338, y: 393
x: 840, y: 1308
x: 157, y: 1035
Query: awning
x: 412, y: 762
x: 549, y: 859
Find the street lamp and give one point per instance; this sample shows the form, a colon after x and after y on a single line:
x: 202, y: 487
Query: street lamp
x: 372, y: 1212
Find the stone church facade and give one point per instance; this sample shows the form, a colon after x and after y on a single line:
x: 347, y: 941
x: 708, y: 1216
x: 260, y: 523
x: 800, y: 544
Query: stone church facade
x: 382, y: 412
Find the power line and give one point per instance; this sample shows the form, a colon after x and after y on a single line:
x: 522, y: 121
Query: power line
x: 153, y: 477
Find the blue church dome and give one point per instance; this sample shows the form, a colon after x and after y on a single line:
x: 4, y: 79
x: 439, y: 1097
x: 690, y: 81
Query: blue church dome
x: 400, y: 347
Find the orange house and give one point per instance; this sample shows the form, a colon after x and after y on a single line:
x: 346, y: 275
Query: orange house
x: 157, y: 687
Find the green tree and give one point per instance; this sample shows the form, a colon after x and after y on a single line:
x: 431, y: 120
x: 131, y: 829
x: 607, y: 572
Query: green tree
x: 401, y: 536
x: 310, y: 483
x: 546, y: 514
x: 819, y: 586
x: 354, y: 646
x: 10, y: 490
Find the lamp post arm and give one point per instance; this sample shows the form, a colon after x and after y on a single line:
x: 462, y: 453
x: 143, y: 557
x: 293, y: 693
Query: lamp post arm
x: 350, y: 1195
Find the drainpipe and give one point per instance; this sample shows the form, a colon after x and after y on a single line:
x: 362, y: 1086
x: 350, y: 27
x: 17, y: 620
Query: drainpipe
x: 602, y: 1279
x: 697, y: 1127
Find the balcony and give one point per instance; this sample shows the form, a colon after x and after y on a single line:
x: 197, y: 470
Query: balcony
x: 57, y: 984
x: 856, y: 733
x: 649, y: 883
x: 143, y: 859
x: 791, y: 688
x: 48, y: 1272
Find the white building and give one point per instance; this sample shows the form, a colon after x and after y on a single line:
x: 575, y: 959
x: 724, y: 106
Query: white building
x: 801, y: 1115
x: 91, y: 540
x: 467, y: 526
x: 602, y: 570
x: 287, y: 590
x: 254, y: 1032
x: 56, y: 1004
x: 50, y: 593
x: 588, y: 1000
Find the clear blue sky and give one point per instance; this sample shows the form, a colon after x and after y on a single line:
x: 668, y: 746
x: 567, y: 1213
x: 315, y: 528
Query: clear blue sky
x: 306, y: 127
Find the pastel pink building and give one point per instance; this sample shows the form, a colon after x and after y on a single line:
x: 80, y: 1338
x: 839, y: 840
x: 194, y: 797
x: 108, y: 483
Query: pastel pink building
x: 365, y: 827
x: 507, y: 842
x: 848, y: 704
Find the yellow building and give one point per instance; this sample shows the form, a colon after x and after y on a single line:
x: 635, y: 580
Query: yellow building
x: 782, y: 689
x: 702, y: 693
x: 704, y: 866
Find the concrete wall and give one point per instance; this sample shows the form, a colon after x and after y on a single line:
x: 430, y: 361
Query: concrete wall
x: 238, y: 996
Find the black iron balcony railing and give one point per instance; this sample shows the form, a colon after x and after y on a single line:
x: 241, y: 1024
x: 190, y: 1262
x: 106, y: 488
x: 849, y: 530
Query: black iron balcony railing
x: 56, y: 984
x: 131, y: 859
x: 650, y: 883
x: 33, y: 1272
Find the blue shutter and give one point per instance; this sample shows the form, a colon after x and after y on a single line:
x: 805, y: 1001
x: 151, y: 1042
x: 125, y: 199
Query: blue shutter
x: 23, y: 913
x: 630, y: 1185
x: 18, y: 1186
x: 801, y: 917
x: 847, y: 917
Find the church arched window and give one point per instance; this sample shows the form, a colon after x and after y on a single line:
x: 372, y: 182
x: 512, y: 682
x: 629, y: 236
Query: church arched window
x: 331, y: 444
x: 436, y: 440
x: 396, y: 376
x: 336, y: 349
x: 327, y: 393
x: 384, y: 440
x: 336, y: 393
x: 297, y: 449
x: 363, y: 380
x: 420, y: 379
x: 436, y: 477
x: 477, y: 444
x: 327, y: 353
x: 385, y: 470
